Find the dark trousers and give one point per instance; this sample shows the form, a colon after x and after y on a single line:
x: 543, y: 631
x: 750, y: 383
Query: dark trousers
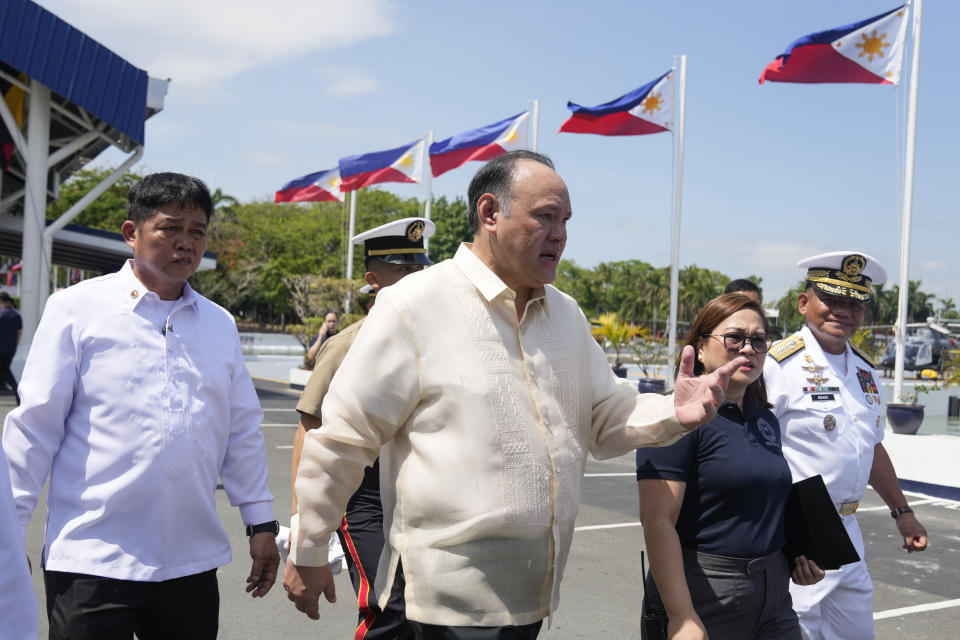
x: 84, y: 607
x: 436, y: 632
x: 6, y: 375
x: 361, y: 535
x: 736, y: 598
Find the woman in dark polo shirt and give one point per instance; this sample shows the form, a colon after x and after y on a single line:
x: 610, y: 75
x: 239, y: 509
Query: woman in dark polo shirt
x: 712, y: 503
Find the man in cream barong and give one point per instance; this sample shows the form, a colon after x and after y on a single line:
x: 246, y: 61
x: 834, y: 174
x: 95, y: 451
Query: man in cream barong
x: 482, y: 390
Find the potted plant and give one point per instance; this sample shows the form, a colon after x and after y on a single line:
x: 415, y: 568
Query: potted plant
x: 650, y: 351
x: 907, y: 416
x: 609, y: 327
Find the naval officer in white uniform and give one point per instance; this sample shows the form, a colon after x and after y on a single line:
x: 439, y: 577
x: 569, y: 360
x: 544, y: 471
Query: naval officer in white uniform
x: 825, y: 393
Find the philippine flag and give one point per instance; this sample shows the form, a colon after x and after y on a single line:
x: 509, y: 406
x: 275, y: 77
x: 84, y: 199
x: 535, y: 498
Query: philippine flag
x: 869, y: 51
x: 322, y: 186
x: 479, y: 144
x: 403, y: 164
x: 648, y: 109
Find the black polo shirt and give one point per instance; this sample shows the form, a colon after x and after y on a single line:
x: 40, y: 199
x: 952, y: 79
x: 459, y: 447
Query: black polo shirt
x: 737, y: 483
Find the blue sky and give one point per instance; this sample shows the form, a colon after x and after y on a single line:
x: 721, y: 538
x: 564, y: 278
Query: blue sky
x: 264, y: 92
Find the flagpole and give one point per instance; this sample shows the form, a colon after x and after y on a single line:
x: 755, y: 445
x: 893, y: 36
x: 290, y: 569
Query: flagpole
x: 910, y: 152
x: 677, y: 197
x: 426, y: 171
x: 535, y: 124
x: 350, y: 234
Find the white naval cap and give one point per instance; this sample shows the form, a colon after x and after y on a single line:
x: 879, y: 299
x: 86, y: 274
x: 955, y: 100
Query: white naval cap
x: 848, y: 274
x: 398, y: 242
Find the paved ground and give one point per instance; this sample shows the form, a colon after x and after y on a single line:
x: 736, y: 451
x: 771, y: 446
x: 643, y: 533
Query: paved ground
x: 602, y: 589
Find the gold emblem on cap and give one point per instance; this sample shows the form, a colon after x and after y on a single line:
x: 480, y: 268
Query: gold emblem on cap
x: 134, y: 294
x: 829, y: 423
x: 415, y: 231
x: 853, y: 265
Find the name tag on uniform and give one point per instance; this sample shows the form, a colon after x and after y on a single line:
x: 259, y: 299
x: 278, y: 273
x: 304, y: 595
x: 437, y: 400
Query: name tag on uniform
x: 821, y: 397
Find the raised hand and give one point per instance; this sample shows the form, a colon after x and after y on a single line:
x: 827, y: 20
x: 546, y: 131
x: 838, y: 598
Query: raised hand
x: 696, y: 398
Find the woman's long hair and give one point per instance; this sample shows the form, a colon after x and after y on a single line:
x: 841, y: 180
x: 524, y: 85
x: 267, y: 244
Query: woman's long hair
x: 709, y: 318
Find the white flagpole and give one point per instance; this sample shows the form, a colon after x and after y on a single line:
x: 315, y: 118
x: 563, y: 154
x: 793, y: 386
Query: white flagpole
x: 352, y: 231
x: 681, y: 93
x: 426, y: 172
x: 534, y: 124
x: 909, y: 155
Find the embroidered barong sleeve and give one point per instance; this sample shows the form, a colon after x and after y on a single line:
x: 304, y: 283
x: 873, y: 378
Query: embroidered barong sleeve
x: 371, y: 396
x: 622, y: 418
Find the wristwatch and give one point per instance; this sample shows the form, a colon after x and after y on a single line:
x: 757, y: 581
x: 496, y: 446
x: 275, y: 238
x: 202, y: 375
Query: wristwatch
x: 896, y: 513
x: 267, y: 527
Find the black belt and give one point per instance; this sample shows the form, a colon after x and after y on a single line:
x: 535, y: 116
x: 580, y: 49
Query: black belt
x: 745, y: 566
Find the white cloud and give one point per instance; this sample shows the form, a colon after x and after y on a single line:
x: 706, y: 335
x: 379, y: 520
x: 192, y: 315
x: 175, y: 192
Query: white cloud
x: 202, y: 42
x: 760, y: 255
x: 935, y: 266
x: 265, y: 158
x: 351, y: 86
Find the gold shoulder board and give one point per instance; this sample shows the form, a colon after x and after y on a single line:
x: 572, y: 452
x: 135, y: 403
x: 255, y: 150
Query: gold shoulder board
x: 787, y: 347
x: 863, y: 354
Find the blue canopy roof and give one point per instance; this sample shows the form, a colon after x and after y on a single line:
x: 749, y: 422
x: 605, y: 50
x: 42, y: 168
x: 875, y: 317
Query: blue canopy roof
x: 73, y: 65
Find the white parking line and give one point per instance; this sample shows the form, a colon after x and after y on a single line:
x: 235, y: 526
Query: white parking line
x: 277, y: 424
x: 607, y: 526
x: 919, y: 608
x: 266, y: 409
x: 913, y: 503
x: 609, y: 475
x: 284, y: 446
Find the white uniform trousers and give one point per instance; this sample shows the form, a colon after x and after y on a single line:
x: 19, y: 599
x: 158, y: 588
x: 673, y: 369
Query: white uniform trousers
x: 839, y: 607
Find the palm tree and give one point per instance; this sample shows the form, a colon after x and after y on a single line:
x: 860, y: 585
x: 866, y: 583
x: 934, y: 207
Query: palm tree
x: 788, y: 314
x: 948, y: 308
x: 618, y: 333
x: 919, y: 304
x: 223, y: 201
x: 883, y: 309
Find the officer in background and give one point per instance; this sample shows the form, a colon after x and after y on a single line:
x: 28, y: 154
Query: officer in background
x: 392, y: 251
x: 825, y: 393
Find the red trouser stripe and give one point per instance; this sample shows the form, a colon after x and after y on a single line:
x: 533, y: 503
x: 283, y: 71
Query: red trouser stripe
x: 364, y: 592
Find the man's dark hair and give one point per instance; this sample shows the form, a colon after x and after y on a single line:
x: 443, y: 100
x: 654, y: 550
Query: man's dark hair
x: 742, y: 284
x: 158, y: 189
x: 496, y: 177
x: 5, y: 298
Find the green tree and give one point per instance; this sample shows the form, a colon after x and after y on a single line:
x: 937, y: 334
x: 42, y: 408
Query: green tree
x: 452, y: 228
x: 882, y: 308
x: 581, y: 284
x: 608, y: 326
x: 222, y: 201
x: 108, y: 211
x: 948, y: 308
x: 919, y: 303
x: 697, y: 286
x: 788, y: 314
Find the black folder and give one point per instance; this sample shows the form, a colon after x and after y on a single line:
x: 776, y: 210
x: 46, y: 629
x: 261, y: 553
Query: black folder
x: 814, y: 528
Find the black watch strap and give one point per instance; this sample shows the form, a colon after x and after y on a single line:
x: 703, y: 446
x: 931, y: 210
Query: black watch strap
x: 267, y: 527
x: 899, y: 511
